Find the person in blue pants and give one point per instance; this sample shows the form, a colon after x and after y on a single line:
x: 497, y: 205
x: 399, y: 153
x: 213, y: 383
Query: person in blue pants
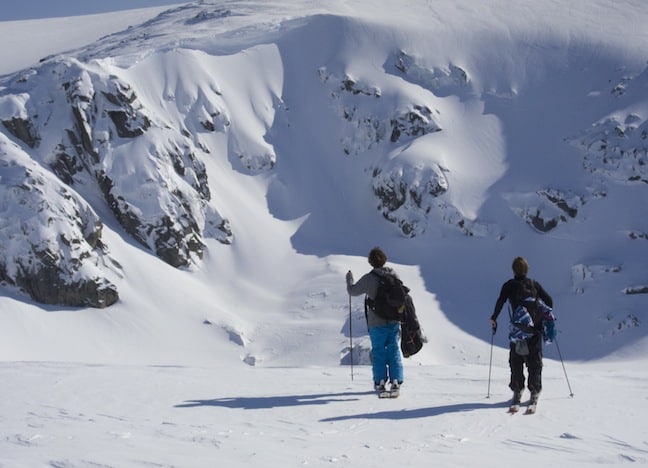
x: 387, y: 364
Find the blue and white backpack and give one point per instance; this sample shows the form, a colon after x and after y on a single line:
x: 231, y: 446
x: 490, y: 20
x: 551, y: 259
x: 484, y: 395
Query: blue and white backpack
x: 530, y: 307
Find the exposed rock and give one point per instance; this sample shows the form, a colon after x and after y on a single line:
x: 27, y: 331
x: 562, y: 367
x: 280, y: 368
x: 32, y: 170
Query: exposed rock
x: 207, y: 15
x: 369, y: 129
x: 617, y: 145
x: 627, y: 322
x: 171, y: 226
x: 407, y: 194
x: 51, y: 238
x: 257, y: 162
x: 415, y: 122
x: 350, y: 85
x: 617, y: 150
x: 546, y: 209
x: 568, y: 206
x: 150, y: 175
x: 441, y: 81
x: 23, y: 130
x: 637, y: 235
x: 43, y: 279
x: 583, y: 276
x: 128, y: 118
x: 17, y: 119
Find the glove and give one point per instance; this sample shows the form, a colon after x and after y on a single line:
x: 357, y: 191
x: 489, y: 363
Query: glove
x: 349, y: 277
x: 493, y: 325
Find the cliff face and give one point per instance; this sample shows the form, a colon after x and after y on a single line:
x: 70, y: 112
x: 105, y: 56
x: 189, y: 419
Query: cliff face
x: 141, y: 128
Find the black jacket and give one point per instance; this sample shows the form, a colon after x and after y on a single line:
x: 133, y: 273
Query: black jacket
x: 509, y: 290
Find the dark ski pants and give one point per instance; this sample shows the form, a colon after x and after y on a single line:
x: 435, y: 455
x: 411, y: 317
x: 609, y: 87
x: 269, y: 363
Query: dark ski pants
x: 533, y: 362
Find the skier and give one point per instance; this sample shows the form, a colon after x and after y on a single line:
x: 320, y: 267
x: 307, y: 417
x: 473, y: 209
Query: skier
x: 387, y: 365
x: 513, y: 290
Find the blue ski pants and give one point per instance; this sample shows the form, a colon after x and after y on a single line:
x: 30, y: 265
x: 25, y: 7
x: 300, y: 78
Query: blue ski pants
x: 385, y: 351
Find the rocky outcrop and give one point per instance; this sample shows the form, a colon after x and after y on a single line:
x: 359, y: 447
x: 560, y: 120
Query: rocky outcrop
x: 546, y: 209
x: 171, y: 226
x: 406, y: 194
x: 616, y: 146
x: 23, y: 130
x: 51, y: 237
x: 160, y: 197
x: 442, y: 81
x: 367, y: 129
x: 413, y: 122
x: 148, y: 173
x: 636, y: 290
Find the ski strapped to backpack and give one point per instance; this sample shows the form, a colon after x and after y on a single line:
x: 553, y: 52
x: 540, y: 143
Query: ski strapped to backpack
x: 530, y: 316
x: 389, y: 302
x: 412, y: 337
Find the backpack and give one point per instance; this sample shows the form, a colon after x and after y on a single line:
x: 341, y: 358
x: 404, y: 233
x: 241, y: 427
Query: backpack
x: 524, y: 316
x: 522, y: 326
x: 527, y: 296
x: 530, y: 316
x: 389, y: 302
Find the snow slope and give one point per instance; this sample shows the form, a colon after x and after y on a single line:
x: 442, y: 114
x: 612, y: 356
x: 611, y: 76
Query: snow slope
x: 244, y: 358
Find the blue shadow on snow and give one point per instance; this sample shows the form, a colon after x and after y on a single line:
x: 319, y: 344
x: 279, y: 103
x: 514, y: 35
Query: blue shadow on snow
x: 266, y: 402
x: 275, y: 401
x: 420, y: 412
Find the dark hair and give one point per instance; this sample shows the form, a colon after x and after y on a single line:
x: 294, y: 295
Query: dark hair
x: 377, y: 257
x: 520, y: 266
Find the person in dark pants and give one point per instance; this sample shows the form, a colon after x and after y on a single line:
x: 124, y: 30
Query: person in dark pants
x: 513, y: 290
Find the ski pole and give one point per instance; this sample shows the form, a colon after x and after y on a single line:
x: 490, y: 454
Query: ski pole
x: 490, y: 364
x: 571, y: 393
x: 351, y: 337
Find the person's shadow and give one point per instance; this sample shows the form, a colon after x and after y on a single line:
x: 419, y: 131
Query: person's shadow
x: 420, y: 412
x: 266, y: 402
x: 275, y: 401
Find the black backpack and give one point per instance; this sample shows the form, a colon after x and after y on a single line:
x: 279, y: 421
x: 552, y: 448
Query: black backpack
x: 389, y: 302
x: 526, y: 295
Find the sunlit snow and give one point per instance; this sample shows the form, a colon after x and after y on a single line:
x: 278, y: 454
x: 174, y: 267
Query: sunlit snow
x: 530, y: 110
